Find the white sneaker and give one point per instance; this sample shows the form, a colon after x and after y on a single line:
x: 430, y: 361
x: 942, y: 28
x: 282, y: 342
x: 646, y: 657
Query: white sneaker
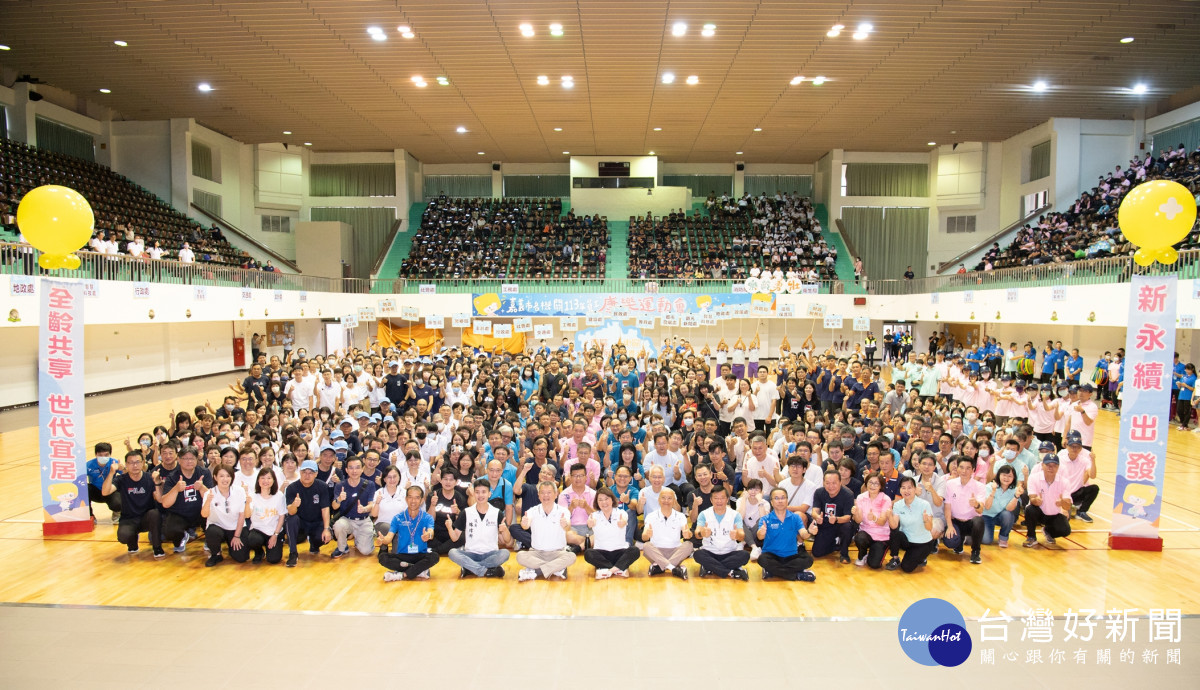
x: 861, y: 562
x: 755, y: 553
x: 392, y: 576
x: 562, y: 574
x: 526, y: 574
x: 623, y: 573
x: 423, y: 576
x: 603, y: 574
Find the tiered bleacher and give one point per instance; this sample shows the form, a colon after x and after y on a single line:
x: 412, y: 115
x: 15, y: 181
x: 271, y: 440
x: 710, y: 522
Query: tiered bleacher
x: 123, y: 210
x: 1088, y: 229
x: 569, y: 247
x: 766, y: 233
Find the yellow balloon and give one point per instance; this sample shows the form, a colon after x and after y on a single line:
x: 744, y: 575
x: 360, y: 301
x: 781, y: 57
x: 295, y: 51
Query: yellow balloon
x: 55, y: 219
x: 1154, y: 216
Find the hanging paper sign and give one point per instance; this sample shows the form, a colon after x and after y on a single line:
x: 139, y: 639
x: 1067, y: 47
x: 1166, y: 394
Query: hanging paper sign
x: 723, y: 313
x: 816, y: 311
x: 502, y: 330
x: 645, y: 321
x: 200, y: 293
x: 670, y: 319
x: 862, y: 323
x: 460, y: 320
x: 350, y: 321
x: 811, y: 289
x: 22, y: 286
x: 741, y: 310
x: 620, y: 311
x: 247, y: 294
x: 91, y: 288
x: 1058, y: 293
x: 522, y: 324
x: 708, y: 318
x: 427, y: 289
x: 760, y: 308
x: 1187, y: 321
x: 689, y: 321
x: 366, y: 314
x: 435, y: 322
x: 278, y: 295
x: 787, y: 311
x: 934, y: 298
x: 739, y: 289
x: 63, y: 455
x: 387, y: 306
x: 833, y: 321
x: 141, y: 290
x: 304, y: 296
x: 410, y: 313
x: 509, y: 289
x: 568, y: 324
x: 543, y: 331
x: 1012, y: 295
x: 481, y: 327
x: 969, y: 297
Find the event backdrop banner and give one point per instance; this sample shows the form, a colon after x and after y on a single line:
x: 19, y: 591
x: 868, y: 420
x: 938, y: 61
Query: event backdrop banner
x: 1145, y: 413
x: 60, y: 410
x: 546, y: 304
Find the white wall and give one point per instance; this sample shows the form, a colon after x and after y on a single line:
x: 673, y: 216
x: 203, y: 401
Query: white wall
x: 620, y: 204
x: 141, y: 151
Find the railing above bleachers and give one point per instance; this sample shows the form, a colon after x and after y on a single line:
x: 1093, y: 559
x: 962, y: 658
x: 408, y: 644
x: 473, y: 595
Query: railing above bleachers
x: 20, y: 259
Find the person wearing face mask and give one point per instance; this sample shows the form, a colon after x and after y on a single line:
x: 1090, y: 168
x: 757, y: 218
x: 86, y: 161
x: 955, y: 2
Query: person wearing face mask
x: 971, y: 422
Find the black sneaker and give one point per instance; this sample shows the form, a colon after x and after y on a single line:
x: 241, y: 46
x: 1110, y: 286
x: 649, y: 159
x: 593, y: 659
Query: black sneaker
x: 740, y: 574
x: 975, y: 559
x: 213, y: 560
x: 766, y: 575
x: 462, y: 573
x: 654, y: 570
x: 258, y: 557
x: 806, y: 576
x: 958, y: 551
x: 338, y: 553
x: 702, y: 572
x: 1082, y: 515
x: 1030, y: 542
x: 133, y: 551
x: 893, y: 564
x: 314, y: 549
x: 159, y: 553
x: 845, y: 560
x: 680, y: 572
x: 496, y: 572
x: 291, y: 561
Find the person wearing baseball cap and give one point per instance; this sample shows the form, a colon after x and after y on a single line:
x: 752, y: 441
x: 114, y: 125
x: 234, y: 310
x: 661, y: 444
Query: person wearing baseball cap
x: 308, y: 504
x: 1049, y: 503
x: 1077, y: 466
x: 1083, y: 415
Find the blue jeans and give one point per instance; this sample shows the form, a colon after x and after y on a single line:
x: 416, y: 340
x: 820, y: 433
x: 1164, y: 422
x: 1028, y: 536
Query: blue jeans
x: 1004, y: 519
x: 478, y: 563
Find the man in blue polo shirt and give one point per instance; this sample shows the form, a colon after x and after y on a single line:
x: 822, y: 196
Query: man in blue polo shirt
x: 408, y: 557
x: 1049, y: 362
x: 1074, y: 366
x: 782, y: 534
x: 97, y: 470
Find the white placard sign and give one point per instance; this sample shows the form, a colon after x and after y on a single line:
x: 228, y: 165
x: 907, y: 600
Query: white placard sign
x: 91, y: 288
x: 509, y: 289
x: 568, y: 324
x: 22, y: 286
x: 969, y: 297
x: 707, y: 318
x: 200, y: 293
x: 435, y: 322
x: 1058, y: 293
x: 350, y: 321
x: 738, y: 288
x: 460, y: 320
x: 669, y: 319
x: 542, y: 331
x: 279, y: 295
x: 427, y: 289
x: 1187, y: 320
x: 645, y: 321
x: 620, y: 311
x: 760, y: 308
x: 141, y: 290
x: 366, y: 314
x: 787, y: 311
x: 862, y: 323
x: 816, y: 311
x: 723, y: 312
x: 689, y: 321
x: 934, y: 298
x: 481, y: 327
x: 410, y: 313
x: 522, y: 324
x: 741, y: 310
x: 1011, y: 295
x: 387, y: 306
x: 595, y: 319
x: 833, y: 321
x: 502, y: 330
x: 811, y: 289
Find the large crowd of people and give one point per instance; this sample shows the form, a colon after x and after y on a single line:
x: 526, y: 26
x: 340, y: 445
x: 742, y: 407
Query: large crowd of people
x: 773, y: 236
x: 1088, y: 229
x: 615, y: 456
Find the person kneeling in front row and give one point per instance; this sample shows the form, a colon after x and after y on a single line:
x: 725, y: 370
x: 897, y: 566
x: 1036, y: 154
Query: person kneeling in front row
x: 611, y: 553
x: 308, y: 502
x: 485, y: 537
x: 224, y: 509
x: 138, y: 512
x: 782, y: 535
x: 667, y: 538
x: 912, y: 527
x: 410, y: 532
x: 549, y: 526
x: 722, y: 531
x: 1049, y: 503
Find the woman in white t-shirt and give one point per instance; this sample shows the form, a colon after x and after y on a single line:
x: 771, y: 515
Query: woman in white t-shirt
x: 267, y: 508
x: 354, y: 391
x: 611, y: 553
x: 378, y: 392
x: 266, y: 460
x: 389, y: 501
x: 742, y: 403
x: 225, y: 508
x: 415, y: 473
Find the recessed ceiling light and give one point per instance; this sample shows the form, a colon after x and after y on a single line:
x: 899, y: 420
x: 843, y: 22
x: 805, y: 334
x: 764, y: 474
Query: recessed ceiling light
x: 1139, y: 88
x: 796, y: 80
x: 693, y: 80
x: 116, y: 43
x: 542, y: 80
x: 1039, y: 86
x: 858, y: 35
x: 105, y: 90
x: 526, y: 30
x: 443, y: 81
x: 558, y: 129
x: 408, y: 34
x: 954, y: 131
x: 566, y: 153
x: 287, y: 131
x: 933, y: 143
x: 1127, y: 39
x: 461, y: 130
x: 658, y: 129
x: 481, y: 153
x: 817, y: 81
x: 866, y: 27
x: 556, y: 30
x: 379, y: 37
x: 668, y: 78
x: 651, y: 153
x: 404, y: 28
x: 758, y: 129
x: 679, y: 29
x: 308, y: 143
x: 204, y: 86
x: 568, y: 82
x: 709, y: 30
x: 737, y: 153
x: 835, y: 31
x: 422, y: 84
x: 374, y: 30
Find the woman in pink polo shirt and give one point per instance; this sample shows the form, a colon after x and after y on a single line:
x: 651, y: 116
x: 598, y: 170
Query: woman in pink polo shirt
x: 872, y: 510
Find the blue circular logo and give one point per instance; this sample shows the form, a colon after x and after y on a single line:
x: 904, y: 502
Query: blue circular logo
x: 933, y: 632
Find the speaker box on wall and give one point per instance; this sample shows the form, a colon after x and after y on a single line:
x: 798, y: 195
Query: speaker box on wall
x: 495, y: 166
x: 741, y: 167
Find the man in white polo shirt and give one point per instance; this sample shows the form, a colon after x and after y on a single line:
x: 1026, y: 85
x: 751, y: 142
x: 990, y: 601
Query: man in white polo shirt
x: 485, y: 548
x: 549, y: 525
x: 722, y: 531
x: 666, y: 538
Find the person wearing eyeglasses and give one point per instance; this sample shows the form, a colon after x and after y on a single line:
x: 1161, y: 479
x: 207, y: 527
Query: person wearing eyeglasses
x: 139, y: 512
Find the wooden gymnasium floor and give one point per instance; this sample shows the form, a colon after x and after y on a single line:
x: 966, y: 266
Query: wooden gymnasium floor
x: 92, y: 569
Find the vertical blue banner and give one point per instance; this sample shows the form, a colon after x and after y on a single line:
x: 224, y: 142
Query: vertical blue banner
x: 1145, y: 413
x: 63, y: 452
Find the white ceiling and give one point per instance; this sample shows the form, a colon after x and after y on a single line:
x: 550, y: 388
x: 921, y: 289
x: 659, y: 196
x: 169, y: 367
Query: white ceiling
x: 309, y: 66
